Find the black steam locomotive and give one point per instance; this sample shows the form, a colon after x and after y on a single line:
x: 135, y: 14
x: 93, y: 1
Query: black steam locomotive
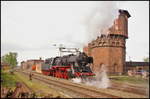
x: 68, y: 66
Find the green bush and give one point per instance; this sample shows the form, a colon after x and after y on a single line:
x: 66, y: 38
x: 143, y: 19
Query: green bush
x: 8, y: 80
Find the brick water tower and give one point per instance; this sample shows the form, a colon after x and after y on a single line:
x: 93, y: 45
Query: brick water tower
x: 110, y: 50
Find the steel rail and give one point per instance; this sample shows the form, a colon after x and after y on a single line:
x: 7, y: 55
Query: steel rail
x: 125, y: 88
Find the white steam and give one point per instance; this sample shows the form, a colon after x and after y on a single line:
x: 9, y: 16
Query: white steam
x: 102, y: 80
x: 76, y: 80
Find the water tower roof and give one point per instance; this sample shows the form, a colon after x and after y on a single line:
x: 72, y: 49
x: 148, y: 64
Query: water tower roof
x: 124, y: 12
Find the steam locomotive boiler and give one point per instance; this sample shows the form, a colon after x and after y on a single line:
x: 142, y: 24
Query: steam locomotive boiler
x: 68, y: 66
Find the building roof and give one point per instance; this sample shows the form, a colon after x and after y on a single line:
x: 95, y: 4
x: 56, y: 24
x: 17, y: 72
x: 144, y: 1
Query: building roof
x: 124, y: 12
x: 137, y: 63
x: 23, y: 62
x: 36, y: 60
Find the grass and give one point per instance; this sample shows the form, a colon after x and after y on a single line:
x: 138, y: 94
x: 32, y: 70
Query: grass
x: 8, y: 80
x: 132, y: 80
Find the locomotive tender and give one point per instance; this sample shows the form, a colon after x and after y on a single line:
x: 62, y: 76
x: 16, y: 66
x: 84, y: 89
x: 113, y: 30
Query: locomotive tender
x: 68, y: 66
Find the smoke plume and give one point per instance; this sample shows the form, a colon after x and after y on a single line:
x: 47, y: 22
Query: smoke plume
x: 100, y: 18
x: 93, y: 19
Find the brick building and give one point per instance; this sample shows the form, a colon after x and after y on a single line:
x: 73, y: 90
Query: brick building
x: 30, y: 63
x: 136, y: 66
x: 110, y: 50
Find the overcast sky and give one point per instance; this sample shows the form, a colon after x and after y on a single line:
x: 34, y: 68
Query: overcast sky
x: 30, y: 28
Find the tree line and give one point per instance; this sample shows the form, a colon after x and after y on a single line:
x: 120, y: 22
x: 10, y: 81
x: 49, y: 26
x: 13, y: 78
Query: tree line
x: 10, y: 59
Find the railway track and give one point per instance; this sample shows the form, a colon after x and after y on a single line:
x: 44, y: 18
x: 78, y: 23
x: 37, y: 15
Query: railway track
x: 128, y: 88
x: 129, y: 85
x: 114, y: 86
x: 81, y: 92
